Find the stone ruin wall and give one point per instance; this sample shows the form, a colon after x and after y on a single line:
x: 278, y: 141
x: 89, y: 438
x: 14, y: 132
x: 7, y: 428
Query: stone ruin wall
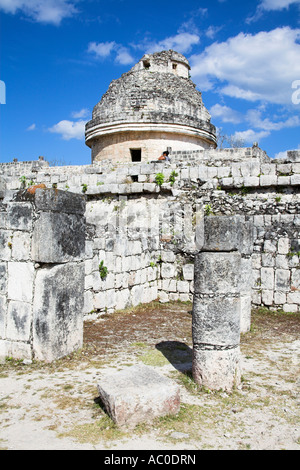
x: 146, y: 235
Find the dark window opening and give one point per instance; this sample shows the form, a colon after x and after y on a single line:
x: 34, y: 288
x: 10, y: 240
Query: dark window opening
x: 174, y: 66
x: 146, y: 64
x: 136, y: 155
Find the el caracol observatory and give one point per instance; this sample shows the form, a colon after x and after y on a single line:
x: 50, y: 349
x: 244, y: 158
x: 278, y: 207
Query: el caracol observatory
x: 152, y: 107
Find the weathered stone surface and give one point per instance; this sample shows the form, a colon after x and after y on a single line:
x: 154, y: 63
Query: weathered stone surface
x: 55, y: 200
x: 217, y: 369
x: 20, y: 281
x: 138, y: 394
x: 58, y: 237
x: 58, y: 311
x: 216, y: 273
x: 228, y: 234
x: 216, y: 320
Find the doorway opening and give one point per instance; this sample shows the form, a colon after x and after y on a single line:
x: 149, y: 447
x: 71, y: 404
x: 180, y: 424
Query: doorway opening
x: 136, y: 155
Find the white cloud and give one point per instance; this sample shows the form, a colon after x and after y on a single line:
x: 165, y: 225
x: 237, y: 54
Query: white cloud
x: 250, y: 136
x: 225, y: 113
x: 181, y: 42
x: 102, y: 49
x: 123, y: 56
x: 69, y: 129
x: 41, y: 11
x: 271, y: 5
x: 31, y: 128
x: 254, y: 67
x: 255, y: 119
x: 81, y: 114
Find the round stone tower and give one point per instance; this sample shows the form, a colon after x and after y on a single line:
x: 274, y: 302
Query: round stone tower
x: 148, y: 109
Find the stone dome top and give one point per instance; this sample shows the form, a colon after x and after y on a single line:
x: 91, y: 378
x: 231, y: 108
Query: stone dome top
x: 156, y: 90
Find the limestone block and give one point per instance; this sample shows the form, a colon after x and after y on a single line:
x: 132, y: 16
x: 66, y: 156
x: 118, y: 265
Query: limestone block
x: 58, y: 311
x: 282, y: 280
x: 168, y: 270
x: 295, y: 278
x: 283, y: 246
x: 279, y: 298
x: 20, y: 281
x: 19, y: 216
x: 58, y: 238
x: 167, y: 256
x: 3, y: 278
x: 183, y: 286
x: 3, y: 310
x: 216, y: 320
x: 267, y: 278
x: 18, y: 321
x: 268, y: 180
x: 295, y: 180
x: 217, y: 369
x: 228, y: 234
x: 59, y: 201
x: 122, y: 299
x: 21, y: 246
x: 245, y: 322
x: 15, y: 349
x: 251, y: 181
x: 138, y: 394
x: 188, y: 272
x: 267, y: 297
x: 217, y: 273
x: 5, y: 244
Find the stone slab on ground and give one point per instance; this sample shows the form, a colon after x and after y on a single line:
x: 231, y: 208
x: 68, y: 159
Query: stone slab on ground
x: 138, y: 394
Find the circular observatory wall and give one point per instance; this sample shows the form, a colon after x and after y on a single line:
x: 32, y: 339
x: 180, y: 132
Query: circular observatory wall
x: 152, y: 107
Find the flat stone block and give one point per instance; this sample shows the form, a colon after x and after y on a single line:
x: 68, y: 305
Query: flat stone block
x: 58, y: 238
x: 138, y: 394
x: 56, y: 200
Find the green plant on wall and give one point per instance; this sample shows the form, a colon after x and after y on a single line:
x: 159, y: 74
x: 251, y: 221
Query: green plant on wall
x: 208, y: 210
x: 102, y: 270
x: 84, y: 187
x: 172, y: 177
x: 159, y: 179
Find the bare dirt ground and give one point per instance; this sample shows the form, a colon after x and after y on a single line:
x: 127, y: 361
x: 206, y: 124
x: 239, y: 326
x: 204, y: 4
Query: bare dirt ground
x: 55, y: 406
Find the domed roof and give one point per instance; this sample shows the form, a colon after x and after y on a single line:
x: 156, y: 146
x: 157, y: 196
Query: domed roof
x: 156, y: 90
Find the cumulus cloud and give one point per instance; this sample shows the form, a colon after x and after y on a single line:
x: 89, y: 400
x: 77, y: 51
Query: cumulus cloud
x: 225, y: 113
x: 69, y: 129
x: 103, y: 50
x: 81, y: 114
x: 252, y: 67
x: 255, y: 119
x: 41, y: 11
x: 31, y: 128
x: 250, y: 135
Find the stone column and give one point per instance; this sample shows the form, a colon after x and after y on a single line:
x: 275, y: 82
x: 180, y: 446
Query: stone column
x: 217, y: 302
x: 58, y: 248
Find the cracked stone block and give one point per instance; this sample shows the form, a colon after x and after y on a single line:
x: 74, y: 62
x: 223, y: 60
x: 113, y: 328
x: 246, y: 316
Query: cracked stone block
x: 138, y: 394
x: 58, y: 311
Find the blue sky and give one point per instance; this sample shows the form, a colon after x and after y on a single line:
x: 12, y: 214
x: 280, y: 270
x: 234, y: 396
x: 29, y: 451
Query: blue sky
x: 58, y: 57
